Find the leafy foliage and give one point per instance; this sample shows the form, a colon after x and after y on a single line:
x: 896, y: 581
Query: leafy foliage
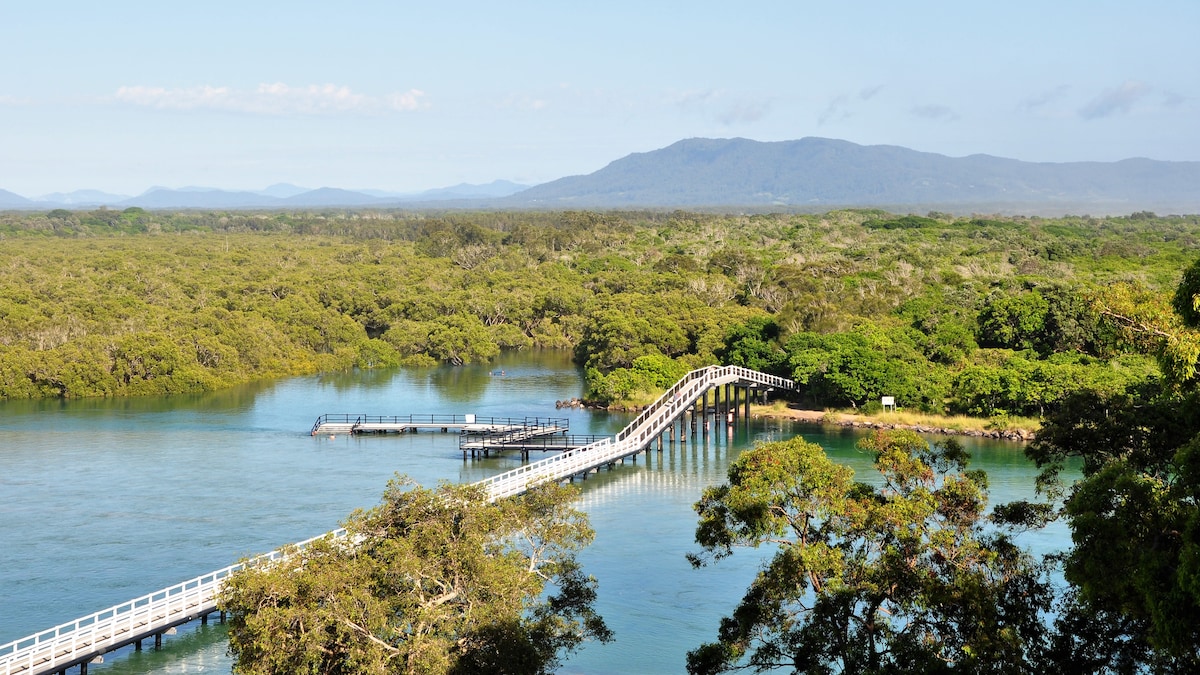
x: 903, y: 577
x: 219, y: 298
x: 1135, y: 513
x: 429, y: 581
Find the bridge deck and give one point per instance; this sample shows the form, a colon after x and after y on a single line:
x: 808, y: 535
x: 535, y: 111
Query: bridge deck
x: 348, y: 423
x: 85, y: 638
x: 555, y: 442
x: 635, y: 437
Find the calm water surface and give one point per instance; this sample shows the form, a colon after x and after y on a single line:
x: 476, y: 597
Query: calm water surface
x: 103, y: 501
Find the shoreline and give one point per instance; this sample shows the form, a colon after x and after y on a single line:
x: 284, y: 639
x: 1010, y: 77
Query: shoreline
x: 846, y: 420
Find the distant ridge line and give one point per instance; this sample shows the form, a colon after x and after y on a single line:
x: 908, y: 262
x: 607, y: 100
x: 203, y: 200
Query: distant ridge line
x: 809, y: 174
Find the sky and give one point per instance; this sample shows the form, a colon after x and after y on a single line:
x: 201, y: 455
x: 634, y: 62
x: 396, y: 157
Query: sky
x: 406, y: 96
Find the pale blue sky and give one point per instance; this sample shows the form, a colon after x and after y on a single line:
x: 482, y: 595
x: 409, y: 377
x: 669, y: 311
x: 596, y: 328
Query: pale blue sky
x: 405, y: 96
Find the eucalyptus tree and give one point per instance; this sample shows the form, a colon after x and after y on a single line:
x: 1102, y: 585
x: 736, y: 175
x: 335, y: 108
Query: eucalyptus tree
x: 903, y: 576
x: 1134, y: 567
x: 429, y: 581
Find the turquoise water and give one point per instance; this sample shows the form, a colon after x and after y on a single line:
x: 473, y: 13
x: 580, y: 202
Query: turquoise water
x: 103, y: 501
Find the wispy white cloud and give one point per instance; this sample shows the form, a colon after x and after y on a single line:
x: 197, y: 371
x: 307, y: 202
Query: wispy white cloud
x: 935, y: 112
x: 1115, y: 101
x: 744, y: 112
x: 840, y: 106
x: 13, y: 101
x: 836, y: 111
x: 721, y: 106
x: 1041, y: 99
x: 521, y: 102
x: 271, y: 99
x: 692, y: 97
x: 1173, y: 99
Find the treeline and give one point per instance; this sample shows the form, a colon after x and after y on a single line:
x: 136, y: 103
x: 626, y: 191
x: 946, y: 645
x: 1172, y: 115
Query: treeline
x: 942, y: 313
x: 921, y: 552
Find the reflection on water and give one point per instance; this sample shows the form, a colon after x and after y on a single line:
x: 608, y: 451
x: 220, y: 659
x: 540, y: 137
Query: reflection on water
x: 105, y: 500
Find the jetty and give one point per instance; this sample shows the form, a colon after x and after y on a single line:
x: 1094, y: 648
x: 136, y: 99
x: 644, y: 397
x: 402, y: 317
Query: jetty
x: 683, y: 410
x: 346, y: 423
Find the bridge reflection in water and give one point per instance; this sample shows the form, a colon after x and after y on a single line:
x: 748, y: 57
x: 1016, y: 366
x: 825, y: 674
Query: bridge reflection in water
x: 683, y: 411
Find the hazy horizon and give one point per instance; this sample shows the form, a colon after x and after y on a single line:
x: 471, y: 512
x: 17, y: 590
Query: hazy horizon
x: 128, y: 95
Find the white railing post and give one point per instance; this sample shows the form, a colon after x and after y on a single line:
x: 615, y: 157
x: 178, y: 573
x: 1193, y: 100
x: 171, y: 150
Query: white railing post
x: 82, y: 634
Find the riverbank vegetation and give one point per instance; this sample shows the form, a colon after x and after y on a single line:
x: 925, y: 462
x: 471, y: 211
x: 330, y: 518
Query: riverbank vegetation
x: 908, y: 576
x: 905, y: 577
x: 980, y: 316
x: 960, y: 425
x: 1082, y: 323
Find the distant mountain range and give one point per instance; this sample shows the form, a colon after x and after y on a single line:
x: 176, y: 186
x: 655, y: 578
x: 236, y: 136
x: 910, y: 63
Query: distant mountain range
x: 822, y: 174
x: 806, y: 174
x: 278, y: 196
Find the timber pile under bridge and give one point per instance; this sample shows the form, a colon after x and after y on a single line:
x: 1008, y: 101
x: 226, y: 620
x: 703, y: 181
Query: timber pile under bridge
x: 85, y: 640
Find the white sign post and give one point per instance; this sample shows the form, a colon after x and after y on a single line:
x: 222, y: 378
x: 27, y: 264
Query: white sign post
x: 889, y: 402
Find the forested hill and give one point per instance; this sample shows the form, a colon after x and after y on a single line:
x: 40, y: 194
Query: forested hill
x: 820, y: 173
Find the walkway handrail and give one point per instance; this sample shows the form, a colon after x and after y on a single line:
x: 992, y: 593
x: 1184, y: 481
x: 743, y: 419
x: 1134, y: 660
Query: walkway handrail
x: 204, y: 589
x: 450, y: 420
x: 555, y: 441
x: 635, y: 436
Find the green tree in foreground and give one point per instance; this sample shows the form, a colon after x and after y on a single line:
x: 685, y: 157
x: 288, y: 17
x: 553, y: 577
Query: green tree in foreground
x: 901, y: 577
x: 1134, y: 566
x: 430, y: 581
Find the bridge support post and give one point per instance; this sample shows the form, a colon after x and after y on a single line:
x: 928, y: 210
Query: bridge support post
x: 204, y: 619
x: 157, y: 641
x: 748, y: 391
x: 137, y: 646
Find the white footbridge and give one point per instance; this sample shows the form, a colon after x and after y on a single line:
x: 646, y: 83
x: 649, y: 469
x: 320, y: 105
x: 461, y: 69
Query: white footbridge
x: 86, y: 639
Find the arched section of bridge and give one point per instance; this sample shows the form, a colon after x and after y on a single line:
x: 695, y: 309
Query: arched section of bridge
x: 673, y: 406
x: 87, y: 639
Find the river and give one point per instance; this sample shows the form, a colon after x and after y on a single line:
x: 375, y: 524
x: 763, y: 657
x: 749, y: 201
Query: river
x: 102, y: 501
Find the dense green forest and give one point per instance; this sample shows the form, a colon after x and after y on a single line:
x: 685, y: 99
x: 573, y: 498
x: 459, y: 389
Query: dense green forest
x: 915, y: 575
x: 985, y: 316
x: 1091, y: 324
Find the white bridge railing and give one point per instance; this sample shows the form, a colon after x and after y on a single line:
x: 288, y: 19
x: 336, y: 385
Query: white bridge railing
x: 80, y: 640
x: 75, y: 642
x: 635, y: 436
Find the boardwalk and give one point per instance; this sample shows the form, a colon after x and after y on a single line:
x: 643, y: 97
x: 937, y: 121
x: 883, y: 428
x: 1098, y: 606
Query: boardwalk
x: 482, y: 445
x: 83, y: 640
x: 637, y: 436
x: 349, y: 423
